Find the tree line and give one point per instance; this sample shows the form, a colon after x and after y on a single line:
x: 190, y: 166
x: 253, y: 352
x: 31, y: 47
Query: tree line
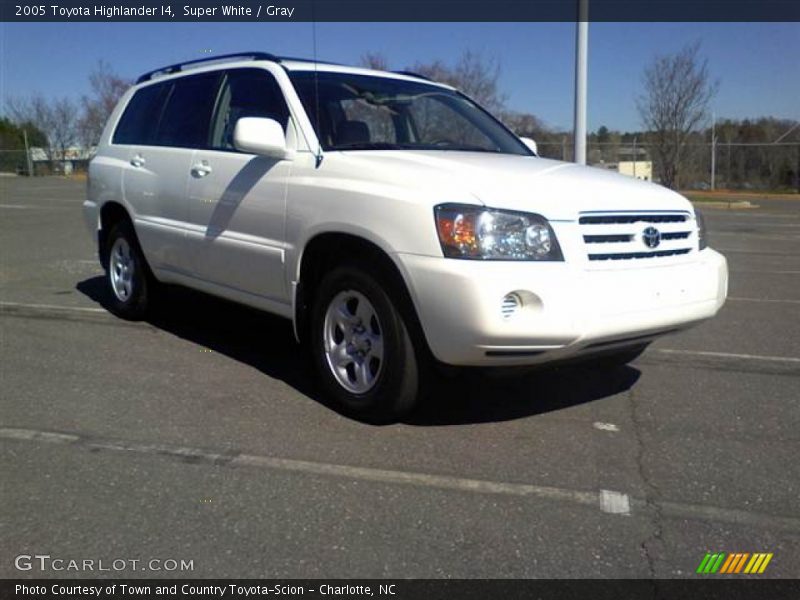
x: 56, y: 124
x: 676, y: 134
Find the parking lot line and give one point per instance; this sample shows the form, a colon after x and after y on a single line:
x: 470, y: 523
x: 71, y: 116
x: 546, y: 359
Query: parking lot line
x: 773, y: 300
x: 51, y: 307
x: 26, y: 207
x: 608, y: 501
x: 784, y: 359
x: 764, y: 272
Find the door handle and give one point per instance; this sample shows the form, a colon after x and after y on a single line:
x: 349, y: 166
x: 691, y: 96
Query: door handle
x: 201, y: 169
x: 138, y: 160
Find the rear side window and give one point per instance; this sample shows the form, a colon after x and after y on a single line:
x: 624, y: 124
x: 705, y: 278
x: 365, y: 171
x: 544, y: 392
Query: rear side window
x: 246, y: 93
x: 186, y: 116
x: 138, y: 123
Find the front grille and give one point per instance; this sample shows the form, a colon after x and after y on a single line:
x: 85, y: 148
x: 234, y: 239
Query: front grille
x: 632, y: 218
x: 630, y: 255
x: 622, y: 236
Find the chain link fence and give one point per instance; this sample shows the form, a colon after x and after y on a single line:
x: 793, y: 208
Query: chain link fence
x: 736, y: 165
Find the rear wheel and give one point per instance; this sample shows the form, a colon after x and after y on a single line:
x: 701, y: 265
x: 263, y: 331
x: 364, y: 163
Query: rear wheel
x: 361, y: 347
x: 128, y: 275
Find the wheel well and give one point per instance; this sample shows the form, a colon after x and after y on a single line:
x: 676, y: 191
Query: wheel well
x: 110, y: 214
x: 328, y: 250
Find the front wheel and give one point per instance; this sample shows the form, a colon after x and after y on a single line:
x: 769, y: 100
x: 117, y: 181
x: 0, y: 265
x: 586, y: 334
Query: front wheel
x: 361, y: 347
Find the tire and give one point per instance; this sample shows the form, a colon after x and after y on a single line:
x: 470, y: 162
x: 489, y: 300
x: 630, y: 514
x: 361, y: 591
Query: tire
x: 361, y: 347
x: 130, y: 281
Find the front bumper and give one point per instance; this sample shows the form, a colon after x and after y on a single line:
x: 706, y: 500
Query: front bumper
x: 568, y: 310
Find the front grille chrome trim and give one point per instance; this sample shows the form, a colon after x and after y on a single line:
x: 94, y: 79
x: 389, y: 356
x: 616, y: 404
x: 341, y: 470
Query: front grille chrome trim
x: 635, y: 255
x: 617, y: 236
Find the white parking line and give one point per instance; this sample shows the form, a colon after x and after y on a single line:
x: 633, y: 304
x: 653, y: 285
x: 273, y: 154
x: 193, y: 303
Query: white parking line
x: 26, y: 207
x: 764, y: 272
x: 751, y: 215
x: 614, y: 503
x: 783, y: 359
x: 780, y: 237
x: 22, y: 305
x: 608, y: 501
x: 605, y: 426
x: 740, y: 299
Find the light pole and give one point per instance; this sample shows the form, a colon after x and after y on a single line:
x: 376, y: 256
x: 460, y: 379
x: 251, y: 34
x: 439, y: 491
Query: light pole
x: 581, y: 51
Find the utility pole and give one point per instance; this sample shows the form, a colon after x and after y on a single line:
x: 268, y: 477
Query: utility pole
x: 27, y: 153
x: 581, y: 52
x: 713, y: 149
x: 635, y: 158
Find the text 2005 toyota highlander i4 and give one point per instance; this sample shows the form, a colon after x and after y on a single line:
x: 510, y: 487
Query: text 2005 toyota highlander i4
x: 395, y: 221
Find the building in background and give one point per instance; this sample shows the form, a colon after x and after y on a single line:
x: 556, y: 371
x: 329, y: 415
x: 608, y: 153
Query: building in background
x: 632, y: 161
x: 73, y: 159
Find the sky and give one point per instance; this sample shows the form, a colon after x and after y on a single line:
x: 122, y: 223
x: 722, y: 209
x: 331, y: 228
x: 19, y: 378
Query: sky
x: 756, y: 64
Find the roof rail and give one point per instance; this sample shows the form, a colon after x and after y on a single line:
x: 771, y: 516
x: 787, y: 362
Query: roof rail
x: 412, y: 74
x: 177, y: 67
x: 306, y: 60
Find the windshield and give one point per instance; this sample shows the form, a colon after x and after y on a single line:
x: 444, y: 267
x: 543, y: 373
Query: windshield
x: 363, y: 112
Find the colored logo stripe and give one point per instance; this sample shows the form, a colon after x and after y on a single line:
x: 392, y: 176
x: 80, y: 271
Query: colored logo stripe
x: 758, y: 563
x: 734, y: 563
x: 711, y: 563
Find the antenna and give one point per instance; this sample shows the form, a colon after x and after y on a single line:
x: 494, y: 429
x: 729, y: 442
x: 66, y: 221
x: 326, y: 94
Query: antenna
x: 316, y: 85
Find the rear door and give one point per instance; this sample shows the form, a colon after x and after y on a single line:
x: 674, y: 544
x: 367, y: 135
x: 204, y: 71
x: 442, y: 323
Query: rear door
x: 237, y: 201
x: 171, y: 129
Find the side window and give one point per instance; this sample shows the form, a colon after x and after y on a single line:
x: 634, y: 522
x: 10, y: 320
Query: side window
x: 246, y: 93
x: 186, y: 116
x: 138, y: 122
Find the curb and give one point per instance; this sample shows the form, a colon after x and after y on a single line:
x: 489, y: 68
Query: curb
x: 739, y: 204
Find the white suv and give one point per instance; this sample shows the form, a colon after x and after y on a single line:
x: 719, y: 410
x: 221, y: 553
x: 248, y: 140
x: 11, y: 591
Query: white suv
x: 395, y: 221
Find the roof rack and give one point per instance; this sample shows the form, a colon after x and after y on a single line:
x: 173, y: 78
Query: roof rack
x: 176, y: 68
x: 306, y: 60
x: 412, y: 74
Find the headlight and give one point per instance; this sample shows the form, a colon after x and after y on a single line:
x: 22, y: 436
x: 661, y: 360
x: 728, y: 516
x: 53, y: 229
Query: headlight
x: 467, y: 231
x: 702, y: 235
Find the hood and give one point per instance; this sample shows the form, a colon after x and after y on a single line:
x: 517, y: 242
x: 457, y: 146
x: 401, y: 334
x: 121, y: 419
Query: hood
x: 557, y: 190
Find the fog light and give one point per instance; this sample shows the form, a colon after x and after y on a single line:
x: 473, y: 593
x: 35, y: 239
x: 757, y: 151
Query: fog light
x: 511, y: 304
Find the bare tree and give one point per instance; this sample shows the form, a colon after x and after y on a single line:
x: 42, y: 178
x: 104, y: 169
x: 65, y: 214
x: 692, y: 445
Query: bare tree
x: 56, y: 119
x: 374, y: 60
x: 63, y: 125
x: 96, y: 107
x: 677, y: 92
x: 524, y: 124
x: 473, y: 74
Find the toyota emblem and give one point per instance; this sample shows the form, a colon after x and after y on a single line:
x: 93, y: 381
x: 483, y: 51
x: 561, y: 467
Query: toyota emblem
x: 651, y: 237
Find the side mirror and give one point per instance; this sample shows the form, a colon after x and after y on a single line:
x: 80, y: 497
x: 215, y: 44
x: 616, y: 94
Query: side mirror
x: 531, y: 145
x: 257, y: 135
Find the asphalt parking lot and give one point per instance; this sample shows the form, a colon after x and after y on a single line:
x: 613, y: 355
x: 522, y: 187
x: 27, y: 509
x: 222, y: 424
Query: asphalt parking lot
x: 199, y: 436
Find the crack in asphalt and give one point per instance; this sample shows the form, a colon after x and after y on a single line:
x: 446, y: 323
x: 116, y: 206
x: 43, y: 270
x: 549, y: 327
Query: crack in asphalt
x: 651, y: 545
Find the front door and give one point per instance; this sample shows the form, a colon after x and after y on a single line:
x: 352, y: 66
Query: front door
x: 237, y: 201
